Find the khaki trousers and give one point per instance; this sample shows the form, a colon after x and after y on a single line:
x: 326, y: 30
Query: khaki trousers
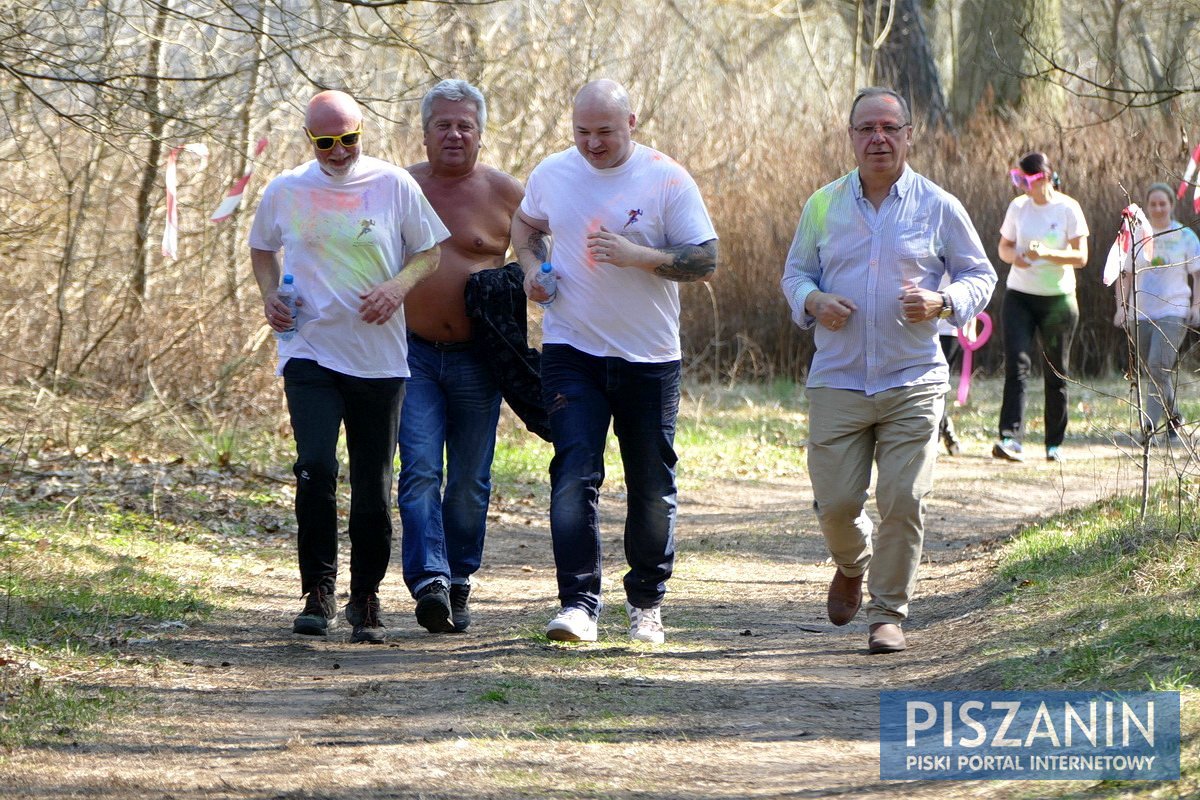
x: 897, y: 430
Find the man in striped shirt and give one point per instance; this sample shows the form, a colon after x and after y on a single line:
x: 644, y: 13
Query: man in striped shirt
x: 863, y: 270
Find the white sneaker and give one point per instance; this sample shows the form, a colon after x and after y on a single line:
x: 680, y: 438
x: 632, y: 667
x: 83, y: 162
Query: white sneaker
x: 645, y: 624
x: 572, y: 624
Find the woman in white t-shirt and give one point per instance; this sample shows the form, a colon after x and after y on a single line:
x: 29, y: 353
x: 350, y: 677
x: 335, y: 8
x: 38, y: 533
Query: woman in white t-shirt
x: 1164, y: 305
x: 1044, y: 238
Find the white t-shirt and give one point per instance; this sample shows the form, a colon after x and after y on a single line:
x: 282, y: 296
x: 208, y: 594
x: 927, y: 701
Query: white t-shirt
x: 341, y: 237
x: 1054, y: 224
x: 601, y: 309
x: 1162, y: 282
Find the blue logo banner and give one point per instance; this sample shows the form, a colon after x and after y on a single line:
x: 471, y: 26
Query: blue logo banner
x: 1029, y: 735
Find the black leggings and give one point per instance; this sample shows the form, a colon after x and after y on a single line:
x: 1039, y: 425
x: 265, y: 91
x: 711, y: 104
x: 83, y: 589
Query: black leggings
x: 1053, y: 318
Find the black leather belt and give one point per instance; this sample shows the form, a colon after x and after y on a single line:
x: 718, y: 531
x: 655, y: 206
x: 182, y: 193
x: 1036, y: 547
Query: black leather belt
x: 445, y: 347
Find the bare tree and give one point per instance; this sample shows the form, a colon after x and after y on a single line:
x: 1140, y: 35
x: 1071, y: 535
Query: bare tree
x: 906, y: 61
x: 1005, y: 54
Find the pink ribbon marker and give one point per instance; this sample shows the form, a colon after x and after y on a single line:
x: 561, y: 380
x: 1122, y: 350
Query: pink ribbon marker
x: 971, y: 340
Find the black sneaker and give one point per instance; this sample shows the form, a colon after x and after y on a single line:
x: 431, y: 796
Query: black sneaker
x: 363, y: 613
x: 460, y: 612
x: 950, y: 440
x: 433, y: 608
x: 319, y: 614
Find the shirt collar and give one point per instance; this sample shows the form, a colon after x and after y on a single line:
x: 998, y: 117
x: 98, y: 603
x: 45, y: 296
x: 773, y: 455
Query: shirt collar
x: 899, y: 188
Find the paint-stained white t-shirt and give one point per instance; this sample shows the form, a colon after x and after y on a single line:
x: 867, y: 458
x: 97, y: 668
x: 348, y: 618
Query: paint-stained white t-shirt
x: 601, y: 309
x: 1054, y: 224
x: 1162, y: 280
x: 340, y: 238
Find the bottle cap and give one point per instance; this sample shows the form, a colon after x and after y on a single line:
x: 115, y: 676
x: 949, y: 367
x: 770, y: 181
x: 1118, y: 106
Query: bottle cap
x: 289, y: 279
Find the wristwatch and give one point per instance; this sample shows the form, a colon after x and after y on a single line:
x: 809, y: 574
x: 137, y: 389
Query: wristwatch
x: 947, y: 307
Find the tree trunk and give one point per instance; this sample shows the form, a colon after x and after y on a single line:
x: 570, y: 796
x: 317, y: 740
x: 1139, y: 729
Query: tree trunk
x: 906, y: 63
x: 233, y: 240
x: 1004, y: 46
x: 156, y: 124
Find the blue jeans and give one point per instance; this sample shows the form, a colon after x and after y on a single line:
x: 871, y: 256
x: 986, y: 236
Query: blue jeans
x: 319, y: 402
x: 452, y: 406
x: 583, y: 393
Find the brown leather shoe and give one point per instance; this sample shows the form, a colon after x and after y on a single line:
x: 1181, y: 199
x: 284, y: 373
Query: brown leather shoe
x: 886, y: 637
x: 845, y: 596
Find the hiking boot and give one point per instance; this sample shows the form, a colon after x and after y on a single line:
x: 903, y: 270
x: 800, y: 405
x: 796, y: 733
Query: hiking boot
x: 363, y: 613
x: 460, y: 612
x: 645, y: 624
x: 433, y: 608
x: 319, y: 614
x: 1008, y: 449
x: 572, y: 624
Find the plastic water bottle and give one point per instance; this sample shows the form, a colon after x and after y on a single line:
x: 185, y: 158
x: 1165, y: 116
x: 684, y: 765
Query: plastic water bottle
x: 548, y: 281
x: 287, y: 293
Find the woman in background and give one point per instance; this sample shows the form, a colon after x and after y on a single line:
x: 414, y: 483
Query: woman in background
x: 1044, y: 238
x: 1164, y: 305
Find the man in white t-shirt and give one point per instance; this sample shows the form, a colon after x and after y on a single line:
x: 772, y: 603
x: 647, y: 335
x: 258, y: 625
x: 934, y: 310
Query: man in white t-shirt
x: 356, y: 234
x: 622, y: 225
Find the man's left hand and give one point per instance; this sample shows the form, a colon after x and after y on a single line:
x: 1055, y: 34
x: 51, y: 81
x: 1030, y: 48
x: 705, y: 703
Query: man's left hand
x: 919, y: 305
x: 612, y: 248
x: 379, y: 304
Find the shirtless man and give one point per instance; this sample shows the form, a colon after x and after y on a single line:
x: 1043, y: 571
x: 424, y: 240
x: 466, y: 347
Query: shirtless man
x: 452, y: 401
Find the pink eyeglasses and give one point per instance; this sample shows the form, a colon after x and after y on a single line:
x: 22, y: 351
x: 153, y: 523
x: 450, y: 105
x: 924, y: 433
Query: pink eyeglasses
x: 1022, y: 181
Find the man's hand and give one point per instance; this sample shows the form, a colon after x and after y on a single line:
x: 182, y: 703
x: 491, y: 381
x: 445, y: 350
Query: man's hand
x: 919, y: 305
x: 533, y: 289
x: 830, y: 310
x: 277, y: 313
x: 612, y: 248
x: 379, y: 304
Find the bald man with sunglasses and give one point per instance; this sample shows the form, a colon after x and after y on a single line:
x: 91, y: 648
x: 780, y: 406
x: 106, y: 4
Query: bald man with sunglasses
x: 357, y: 234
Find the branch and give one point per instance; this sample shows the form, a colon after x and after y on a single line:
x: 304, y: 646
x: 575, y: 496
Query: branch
x: 1135, y: 98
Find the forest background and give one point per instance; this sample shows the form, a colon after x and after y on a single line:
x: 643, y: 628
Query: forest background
x: 750, y: 95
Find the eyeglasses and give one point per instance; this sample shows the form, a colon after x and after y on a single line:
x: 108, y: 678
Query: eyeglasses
x: 1024, y: 182
x: 867, y: 131
x: 324, y: 143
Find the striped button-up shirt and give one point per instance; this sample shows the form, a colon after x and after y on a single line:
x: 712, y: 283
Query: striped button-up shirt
x: 844, y: 246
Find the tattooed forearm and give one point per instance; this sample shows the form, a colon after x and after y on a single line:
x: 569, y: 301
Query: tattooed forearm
x: 536, y: 245
x: 531, y: 241
x: 689, y: 262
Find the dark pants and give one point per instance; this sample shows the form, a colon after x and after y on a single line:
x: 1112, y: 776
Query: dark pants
x: 952, y: 350
x: 1053, y: 319
x: 320, y: 401
x: 583, y: 393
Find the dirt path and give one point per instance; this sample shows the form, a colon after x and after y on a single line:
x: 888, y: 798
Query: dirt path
x: 755, y: 694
